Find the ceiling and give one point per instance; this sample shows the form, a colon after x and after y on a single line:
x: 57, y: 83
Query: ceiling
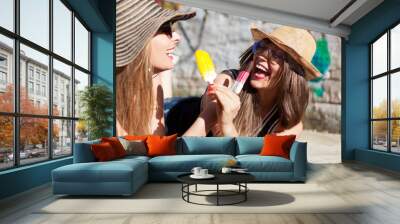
x: 326, y: 16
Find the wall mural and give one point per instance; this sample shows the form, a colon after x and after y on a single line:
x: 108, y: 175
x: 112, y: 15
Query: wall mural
x: 227, y: 75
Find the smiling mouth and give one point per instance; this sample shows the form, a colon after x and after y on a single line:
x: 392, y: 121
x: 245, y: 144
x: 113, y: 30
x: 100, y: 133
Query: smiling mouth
x: 170, y: 53
x: 261, y: 72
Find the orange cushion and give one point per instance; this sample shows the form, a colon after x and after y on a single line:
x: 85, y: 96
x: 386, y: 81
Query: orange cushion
x: 103, y: 152
x: 136, y: 137
x: 116, y: 145
x: 161, y: 145
x: 275, y: 145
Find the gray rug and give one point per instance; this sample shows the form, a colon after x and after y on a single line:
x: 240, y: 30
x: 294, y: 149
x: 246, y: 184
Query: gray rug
x: 166, y: 198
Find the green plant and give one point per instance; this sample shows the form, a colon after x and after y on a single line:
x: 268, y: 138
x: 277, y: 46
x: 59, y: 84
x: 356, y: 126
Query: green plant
x: 96, y: 102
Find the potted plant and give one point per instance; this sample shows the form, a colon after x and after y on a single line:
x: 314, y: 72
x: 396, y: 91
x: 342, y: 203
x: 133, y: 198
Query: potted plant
x: 96, y: 103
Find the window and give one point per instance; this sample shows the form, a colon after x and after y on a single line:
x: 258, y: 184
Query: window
x: 3, y: 78
x: 3, y: 72
x: 62, y: 140
x: 30, y: 72
x: 63, y: 74
x: 46, y: 74
x: 38, y: 89
x: 33, y: 149
x: 81, y: 81
x: 37, y: 74
x: 7, y: 85
x: 7, y: 14
x: 43, y: 90
x: 34, y: 21
x: 62, y: 29
x: 30, y: 87
x: 55, y: 99
x: 81, y: 45
x: 3, y: 61
x: 6, y: 142
x: 385, y: 94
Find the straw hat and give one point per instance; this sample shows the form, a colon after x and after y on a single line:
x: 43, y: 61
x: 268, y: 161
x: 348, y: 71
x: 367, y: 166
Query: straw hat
x: 137, y: 22
x: 297, y: 43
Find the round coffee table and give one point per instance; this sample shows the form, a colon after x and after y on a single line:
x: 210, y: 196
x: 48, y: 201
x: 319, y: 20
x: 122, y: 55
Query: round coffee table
x: 238, y: 179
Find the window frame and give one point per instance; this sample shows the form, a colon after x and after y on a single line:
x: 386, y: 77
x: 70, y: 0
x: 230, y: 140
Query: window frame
x: 388, y: 74
x: 16, y: 115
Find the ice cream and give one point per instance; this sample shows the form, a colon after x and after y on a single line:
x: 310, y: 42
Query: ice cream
x: 241, y: 79
x: 205, y: 66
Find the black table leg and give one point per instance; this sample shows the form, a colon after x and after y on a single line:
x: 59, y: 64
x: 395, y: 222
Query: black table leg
x: 182, y: 190
x: 217, y: 194
x: 185, y: 188
x: 188, y: 189
x: 245, y: 193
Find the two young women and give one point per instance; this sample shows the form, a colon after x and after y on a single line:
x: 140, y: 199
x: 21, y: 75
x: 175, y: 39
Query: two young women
x: 273, y: 100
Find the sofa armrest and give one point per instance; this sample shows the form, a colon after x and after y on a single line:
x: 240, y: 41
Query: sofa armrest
x: 298, y: 155
x: 83, y: 152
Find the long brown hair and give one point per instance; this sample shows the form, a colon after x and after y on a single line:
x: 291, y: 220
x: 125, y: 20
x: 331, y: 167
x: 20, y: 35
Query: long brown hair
x: 292, y: 97
x: 134, y: 94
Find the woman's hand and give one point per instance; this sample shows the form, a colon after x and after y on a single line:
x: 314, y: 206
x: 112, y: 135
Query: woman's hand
x: 208, y: 118
x: 208, y: 108
x: 227, y: 107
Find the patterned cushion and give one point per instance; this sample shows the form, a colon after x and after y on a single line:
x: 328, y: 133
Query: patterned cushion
x: 134, y: 147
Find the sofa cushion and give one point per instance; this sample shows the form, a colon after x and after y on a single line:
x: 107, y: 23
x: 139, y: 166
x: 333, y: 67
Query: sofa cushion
x: 249, y: 145
x: 134, y: 147
x: 206, y: 145
x: 103, y: 152
x: 116, y: 145
x: 111, y: 171
x: 161, y: 145
x: 275, y: 145
x: 185, y: 163
x: 257, y: 163
x: 130, y: 158
x: 83, y: 152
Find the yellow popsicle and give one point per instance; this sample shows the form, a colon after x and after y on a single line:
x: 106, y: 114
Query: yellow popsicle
x: 205, y: 66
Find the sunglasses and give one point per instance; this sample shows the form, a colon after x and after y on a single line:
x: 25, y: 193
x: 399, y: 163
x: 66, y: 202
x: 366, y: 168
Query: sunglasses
x: 166, y: 28
x: 277, y: 55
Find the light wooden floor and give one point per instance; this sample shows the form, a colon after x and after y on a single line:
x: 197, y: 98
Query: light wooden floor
x: 379, y: 189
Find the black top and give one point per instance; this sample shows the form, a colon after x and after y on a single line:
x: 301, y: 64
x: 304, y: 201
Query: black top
x: 182, y: 115
x: 220, y: 178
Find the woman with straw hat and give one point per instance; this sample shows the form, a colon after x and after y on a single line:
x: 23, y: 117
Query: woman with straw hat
x: 145, y: 44
x: 274, y: 97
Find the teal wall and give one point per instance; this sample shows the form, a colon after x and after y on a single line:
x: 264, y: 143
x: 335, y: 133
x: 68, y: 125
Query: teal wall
x: 103, y: 64
x: 99, y: 16
x: 103, y: 53
x: 103, y: 59
x: 355, y: 85
x: 24, y: 178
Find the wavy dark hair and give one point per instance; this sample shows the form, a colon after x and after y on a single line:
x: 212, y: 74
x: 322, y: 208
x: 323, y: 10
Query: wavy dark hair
x: 292, y: 97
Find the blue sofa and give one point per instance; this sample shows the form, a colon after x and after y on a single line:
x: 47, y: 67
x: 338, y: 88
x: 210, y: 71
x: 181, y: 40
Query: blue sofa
x: 125, y: 176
